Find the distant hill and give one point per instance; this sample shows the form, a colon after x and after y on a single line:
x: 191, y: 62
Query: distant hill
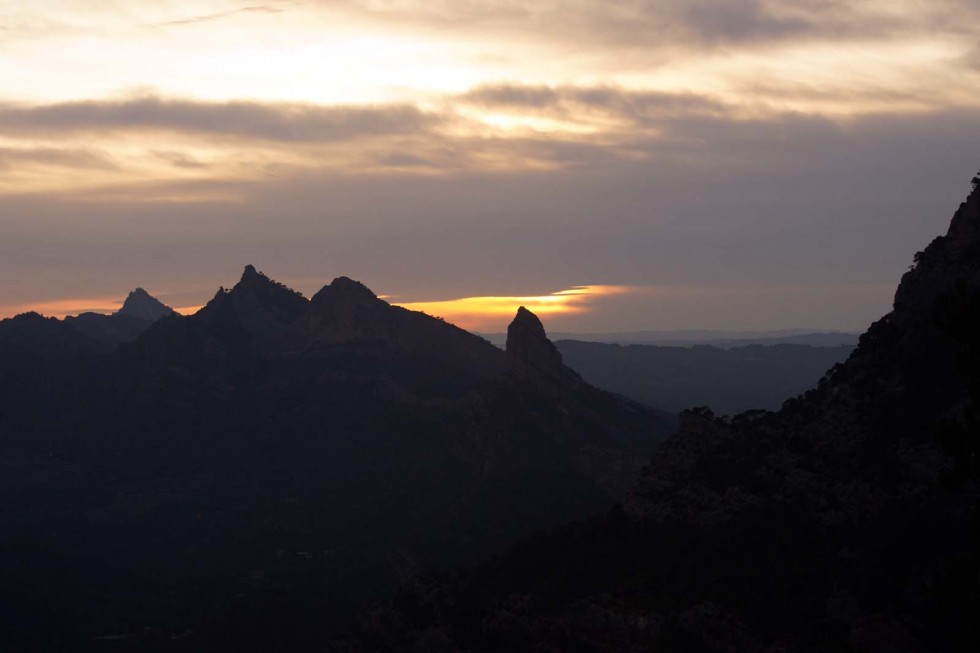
x: 275, y: 459
x: 721, y: 339
x: 138, y: 312
x: 730, y: 381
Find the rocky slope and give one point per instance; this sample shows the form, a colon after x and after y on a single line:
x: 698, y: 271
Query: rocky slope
x: 279, y: 460
x: 848, y: 520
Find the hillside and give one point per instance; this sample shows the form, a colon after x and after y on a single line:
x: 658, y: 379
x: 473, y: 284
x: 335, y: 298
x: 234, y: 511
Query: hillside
x: 275, y: 459
x: 849, y: 520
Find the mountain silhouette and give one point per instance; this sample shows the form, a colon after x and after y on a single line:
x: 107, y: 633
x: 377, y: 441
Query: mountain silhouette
x: 138, y: 312
x: 730, y: 380
x: 847, y: 520
x: 275, y: 457
x: 141, y: 305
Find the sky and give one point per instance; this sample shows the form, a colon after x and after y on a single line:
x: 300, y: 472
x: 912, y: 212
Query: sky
x: 643, y: 164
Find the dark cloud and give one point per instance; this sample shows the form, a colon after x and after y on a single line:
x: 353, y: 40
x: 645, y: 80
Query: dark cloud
x: 665, y: 24
x: 241, y: 119
x: 786, y: 201
x: 13, y: 158
x: 605, y: 97
x: 569, y: 101
x: 401, y: 160
x: 180, y: 160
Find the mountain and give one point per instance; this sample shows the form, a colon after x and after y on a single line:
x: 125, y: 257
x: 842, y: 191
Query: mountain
x: 138, y: 312
x: 729, y: 380
x: 849, y: 520
x: 250, y: 475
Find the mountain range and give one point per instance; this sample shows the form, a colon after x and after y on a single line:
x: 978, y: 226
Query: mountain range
x: 276, y: 459
x: 730, y: 380
x: 848, y: 520
x: 336, y: 473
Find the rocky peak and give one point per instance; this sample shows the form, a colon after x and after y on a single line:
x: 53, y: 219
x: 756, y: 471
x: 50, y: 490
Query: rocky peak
x: 251, y: 275
x: 345, y: 288
x: 528, y: 343
x: 143, y: 306
x: 255, y: 292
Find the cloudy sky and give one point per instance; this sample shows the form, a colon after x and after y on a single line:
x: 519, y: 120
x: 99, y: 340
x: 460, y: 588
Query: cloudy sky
x: 640, y: 164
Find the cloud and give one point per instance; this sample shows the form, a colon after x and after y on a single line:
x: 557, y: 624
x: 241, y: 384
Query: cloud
x: 251, y: 9
x: 15, y: 158
x: 489, y: 312
x: 972, y: 58
x: 240, y: 119
x: 576, y: 102
x: 810, y: 203
x: 666, y: 24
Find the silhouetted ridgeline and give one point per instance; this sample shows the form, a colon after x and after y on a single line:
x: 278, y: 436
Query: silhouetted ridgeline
x: 246, y: 477
x: 847, y: 521
x: 249, y: 477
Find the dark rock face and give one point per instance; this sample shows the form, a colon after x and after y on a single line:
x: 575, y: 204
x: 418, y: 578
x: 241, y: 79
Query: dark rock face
x: 273, y: 459
x: 847, y: 520
x: 528, y: 344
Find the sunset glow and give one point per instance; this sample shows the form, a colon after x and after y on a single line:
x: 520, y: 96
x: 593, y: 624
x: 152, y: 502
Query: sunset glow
x: 291, y: 61
x: 487, y: 313
x: 387, y: 139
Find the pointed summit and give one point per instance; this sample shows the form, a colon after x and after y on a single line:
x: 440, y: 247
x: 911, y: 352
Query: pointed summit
x: 144, y: 306
x: 528, y: 343
x: 250, y: 274
x: 256, y: 300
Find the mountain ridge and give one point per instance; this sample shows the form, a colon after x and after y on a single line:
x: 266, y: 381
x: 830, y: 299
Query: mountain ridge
x: 212, y: 448
x: 847, y: 520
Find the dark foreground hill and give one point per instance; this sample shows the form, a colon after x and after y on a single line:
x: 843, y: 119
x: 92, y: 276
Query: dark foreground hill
x: 847, y: 521
x: 247, y: 476
x: 729, y: 380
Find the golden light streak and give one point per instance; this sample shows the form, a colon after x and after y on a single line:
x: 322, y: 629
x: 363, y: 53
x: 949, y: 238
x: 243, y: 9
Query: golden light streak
x: 479, y: 313
x: 61, y: 308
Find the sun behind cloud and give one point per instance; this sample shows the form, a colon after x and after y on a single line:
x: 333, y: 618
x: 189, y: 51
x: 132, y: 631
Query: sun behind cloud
x: 493, y: 312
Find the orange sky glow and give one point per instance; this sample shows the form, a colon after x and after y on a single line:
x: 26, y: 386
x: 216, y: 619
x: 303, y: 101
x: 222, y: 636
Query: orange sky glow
x: 493, y: 313
x: 534, y: 144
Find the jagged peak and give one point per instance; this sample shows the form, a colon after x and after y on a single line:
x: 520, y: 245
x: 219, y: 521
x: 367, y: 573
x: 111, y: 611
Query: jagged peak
x: 254, y: 279
x: 529, y: 344
x: 526, y: 319
x: 250, y: 275
x: 142, y: 305
x: 257, y: 292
